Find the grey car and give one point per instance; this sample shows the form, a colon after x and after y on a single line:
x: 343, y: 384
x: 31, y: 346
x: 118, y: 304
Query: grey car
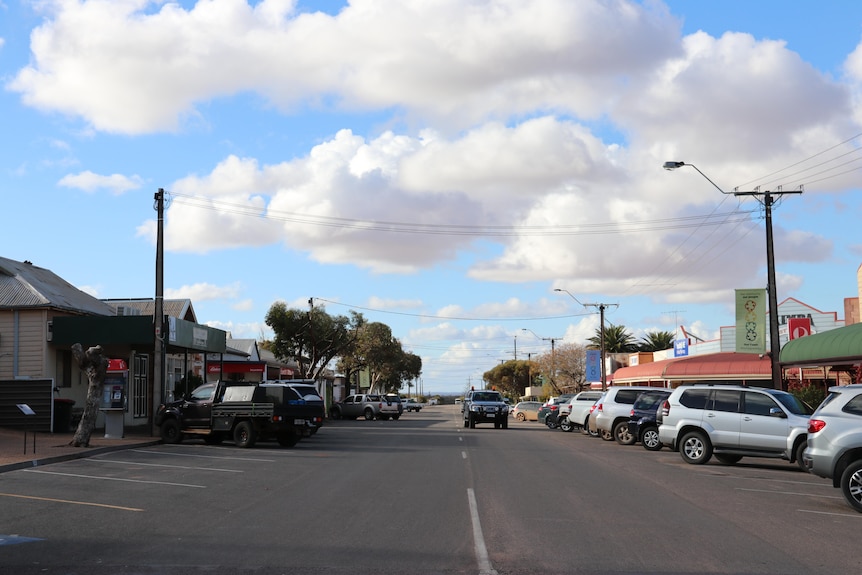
x: 835, y: 442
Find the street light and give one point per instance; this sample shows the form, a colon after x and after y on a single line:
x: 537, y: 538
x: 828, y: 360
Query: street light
x: 601, y: 307
x: 553, y: 356
x: 771, y: 288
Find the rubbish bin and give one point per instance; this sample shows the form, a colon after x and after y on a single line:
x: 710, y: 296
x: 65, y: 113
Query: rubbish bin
x: 63, y: 414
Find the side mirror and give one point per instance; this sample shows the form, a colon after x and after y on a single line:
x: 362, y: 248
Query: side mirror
x: 777, y: 412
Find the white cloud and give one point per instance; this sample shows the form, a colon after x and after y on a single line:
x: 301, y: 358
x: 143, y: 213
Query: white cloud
x: 203, y: 292
x: 89, y: 182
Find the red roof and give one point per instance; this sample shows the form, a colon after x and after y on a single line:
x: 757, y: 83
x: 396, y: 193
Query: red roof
x: 725, y: 365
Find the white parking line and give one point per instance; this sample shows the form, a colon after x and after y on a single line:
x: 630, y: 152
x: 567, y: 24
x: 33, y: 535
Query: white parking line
x: 99, y: 460
x: 786, y: 493
x: 481, y: 551
x: 112, y: 478
x: 204, y: 456
x: 857, y: 516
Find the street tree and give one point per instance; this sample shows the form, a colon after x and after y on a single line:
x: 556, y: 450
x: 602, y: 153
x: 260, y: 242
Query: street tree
x: 617, y: 340
x: 94, y: 363
x: 312, y: 337
x: 656, y: 341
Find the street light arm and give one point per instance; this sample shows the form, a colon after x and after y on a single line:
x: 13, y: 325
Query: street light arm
x: 565, y: 291
x: 670, y: 166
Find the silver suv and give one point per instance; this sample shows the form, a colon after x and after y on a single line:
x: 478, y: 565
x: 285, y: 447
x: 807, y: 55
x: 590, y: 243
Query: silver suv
x: 485, y: 406
x: 575, y: 412
x: 612, y: 414
x: 734, y: 421
x: 835, y: 441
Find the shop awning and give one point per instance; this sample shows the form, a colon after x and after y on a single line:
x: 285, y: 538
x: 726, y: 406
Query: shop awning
x: 725, y: 366
x: 842, y: 346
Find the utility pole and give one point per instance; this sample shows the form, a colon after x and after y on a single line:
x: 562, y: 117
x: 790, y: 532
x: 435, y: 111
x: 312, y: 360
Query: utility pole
x: 159, y: 310
x: 601, y: 307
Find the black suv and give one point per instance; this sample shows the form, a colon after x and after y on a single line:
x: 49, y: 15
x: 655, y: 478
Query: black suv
x: 485, y: 406
x: 642, y: 420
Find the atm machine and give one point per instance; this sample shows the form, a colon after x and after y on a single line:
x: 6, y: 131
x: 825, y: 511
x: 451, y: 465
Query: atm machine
x: 114, y: 398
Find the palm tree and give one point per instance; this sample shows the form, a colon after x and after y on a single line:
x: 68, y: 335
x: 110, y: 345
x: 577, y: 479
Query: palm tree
x: 657, y: 341
x: 617, y: 340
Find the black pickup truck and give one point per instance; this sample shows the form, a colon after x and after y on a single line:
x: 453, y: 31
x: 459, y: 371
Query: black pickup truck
x: 244, y: 411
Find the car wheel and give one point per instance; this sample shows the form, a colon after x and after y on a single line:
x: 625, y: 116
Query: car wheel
x: 695, y: 448
x: 369, y: 414
x: 567, y: 425
x: 335, y: 413
x: 472, y: 421
x: 521, y: 417
x: 171, y: 432
x: 622, y: 435
x: 395, y: 417
x: 244, y: 434
x: 550, y: 424
x: 466, y: 423
x: 505, y: 424
x: 288, y: 438
x: 727, y: 458
x: 851, y: 485
x: 650, y: 439
x: 606, y: 435
x: 214, y: 438
x: 799, y: 452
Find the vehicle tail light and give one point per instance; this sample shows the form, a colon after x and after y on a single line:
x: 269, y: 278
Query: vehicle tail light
x: 600, y: 407
x: 815, y: 425
x: 665, y: 408
x: 631, y: 413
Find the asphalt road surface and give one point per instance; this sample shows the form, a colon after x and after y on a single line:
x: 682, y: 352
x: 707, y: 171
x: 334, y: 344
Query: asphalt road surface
x: 422, y: 495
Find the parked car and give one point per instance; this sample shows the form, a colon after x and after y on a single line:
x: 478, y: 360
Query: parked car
x: 642, y: 419
x: 410, y: 404
x: 591, y: 428
x: 612, y: 414
x: 835, y: 442
x: 733, y: 421
x: 367, y: 405
x: 574, y: 413
x: 527, y: 410
x: 552, y: 406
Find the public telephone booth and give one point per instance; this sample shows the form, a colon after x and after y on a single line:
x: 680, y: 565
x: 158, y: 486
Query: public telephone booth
x: 114, y: 398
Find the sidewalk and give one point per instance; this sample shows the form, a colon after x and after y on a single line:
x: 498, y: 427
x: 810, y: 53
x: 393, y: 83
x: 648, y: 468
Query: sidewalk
x: 54, y: 447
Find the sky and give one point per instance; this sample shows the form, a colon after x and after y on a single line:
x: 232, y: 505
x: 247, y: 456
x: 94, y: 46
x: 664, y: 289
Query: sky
x: 440, y: 166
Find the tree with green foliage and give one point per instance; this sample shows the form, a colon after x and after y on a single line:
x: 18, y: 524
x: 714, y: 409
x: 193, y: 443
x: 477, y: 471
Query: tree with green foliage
x: 312, y: 337
x: 657, y: 341
x: 617, y: 340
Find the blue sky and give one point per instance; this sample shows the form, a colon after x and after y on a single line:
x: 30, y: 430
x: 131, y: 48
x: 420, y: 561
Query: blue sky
x: 441, y: 167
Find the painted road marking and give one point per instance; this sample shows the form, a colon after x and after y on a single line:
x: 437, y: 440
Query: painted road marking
x: 481, y: 551
x: 204, y: 456
x: 113, y: 478
x: 118, y: 507
x: 97, y: 460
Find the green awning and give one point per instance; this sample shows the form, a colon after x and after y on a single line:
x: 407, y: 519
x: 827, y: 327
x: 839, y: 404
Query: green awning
x: 137, y: 331
x: 842, y: 346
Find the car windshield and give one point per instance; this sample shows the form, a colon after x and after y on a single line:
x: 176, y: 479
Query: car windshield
x: 793, y: 404
x: 486, y: 396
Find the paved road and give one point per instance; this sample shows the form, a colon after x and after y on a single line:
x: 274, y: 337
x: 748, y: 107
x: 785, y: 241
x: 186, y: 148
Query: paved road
x: 421, y: 495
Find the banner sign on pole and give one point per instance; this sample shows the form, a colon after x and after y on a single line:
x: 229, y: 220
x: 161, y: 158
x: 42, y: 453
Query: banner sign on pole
x: 594, y: 365
x: 751, y: 320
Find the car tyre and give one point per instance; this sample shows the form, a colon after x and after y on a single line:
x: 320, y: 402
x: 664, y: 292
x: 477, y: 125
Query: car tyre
x: 622, y: 434
x: 288, y: 438
x: 728, y: 458
x: 567, y: 425
x: 505, y: 424
x: 798, y: 453
x: 606, y: 435
x: 521, y: 417
x: 650, y: 439
x: 369, y: 414
x: 466, y: 423
x: 244, y: 434
x: 170, y: 431
x: 472, y: 421
x: 851, y: 484
x: 335, y: 413
x: 695, y: 448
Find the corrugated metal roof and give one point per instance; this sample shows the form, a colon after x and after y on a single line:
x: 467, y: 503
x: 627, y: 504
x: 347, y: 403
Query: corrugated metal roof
x: 23, y: 285
x: 179, y: 308
x: 724, y: 365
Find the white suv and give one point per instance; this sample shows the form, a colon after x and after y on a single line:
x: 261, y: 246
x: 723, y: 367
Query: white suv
x: 733, y: 421
x: 575, y: 412
x: 612, y: 413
